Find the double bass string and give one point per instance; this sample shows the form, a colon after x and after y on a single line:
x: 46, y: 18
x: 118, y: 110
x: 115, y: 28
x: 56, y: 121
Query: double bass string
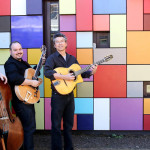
x: 4, y: 125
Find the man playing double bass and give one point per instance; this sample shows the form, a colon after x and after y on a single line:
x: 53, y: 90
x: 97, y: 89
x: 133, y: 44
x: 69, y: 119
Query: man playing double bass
x: 15, y: 68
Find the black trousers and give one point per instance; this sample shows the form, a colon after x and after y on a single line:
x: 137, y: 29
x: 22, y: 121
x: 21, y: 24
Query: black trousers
x: 26, y: 114
x: 62, y: 107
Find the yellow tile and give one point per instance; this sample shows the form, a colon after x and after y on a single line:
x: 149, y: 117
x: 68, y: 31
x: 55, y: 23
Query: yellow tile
x: 47, y: 87
x: 75, y: 92
x: 34, y: 56
x: 4, y: 55
x: 67, y: 6
x: 117, y: 30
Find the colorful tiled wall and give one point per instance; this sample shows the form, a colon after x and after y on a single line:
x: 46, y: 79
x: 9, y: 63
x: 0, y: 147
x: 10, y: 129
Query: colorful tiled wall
x: 112, y: 99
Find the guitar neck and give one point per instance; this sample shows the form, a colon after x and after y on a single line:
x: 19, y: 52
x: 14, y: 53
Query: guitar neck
x: 38, y: 68
x: 88, y: 67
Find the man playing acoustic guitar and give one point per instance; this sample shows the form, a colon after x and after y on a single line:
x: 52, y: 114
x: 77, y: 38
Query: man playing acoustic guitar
x: 15, y: 69
x: 62, y: 105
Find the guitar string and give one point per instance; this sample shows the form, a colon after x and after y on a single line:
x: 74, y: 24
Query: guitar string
x: 98, y: 63
x: 3, y: 115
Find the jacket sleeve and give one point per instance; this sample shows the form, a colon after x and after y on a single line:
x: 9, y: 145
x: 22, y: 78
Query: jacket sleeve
x: 48, y: 70
x: 13, y: 75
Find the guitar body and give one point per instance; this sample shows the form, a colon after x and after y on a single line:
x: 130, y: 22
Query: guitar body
x: 26, y: 93
x: 65, y: 87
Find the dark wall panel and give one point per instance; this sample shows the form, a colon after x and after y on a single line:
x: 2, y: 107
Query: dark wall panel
x: 4, y: 23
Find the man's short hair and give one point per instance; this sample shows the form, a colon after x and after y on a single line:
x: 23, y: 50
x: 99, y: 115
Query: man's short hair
x: 59, y: 35
x: 13, y: 43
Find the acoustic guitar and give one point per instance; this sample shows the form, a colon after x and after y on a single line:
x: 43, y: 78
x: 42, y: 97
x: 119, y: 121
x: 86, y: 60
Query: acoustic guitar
x: 65, y: 87
x: 26, y: 93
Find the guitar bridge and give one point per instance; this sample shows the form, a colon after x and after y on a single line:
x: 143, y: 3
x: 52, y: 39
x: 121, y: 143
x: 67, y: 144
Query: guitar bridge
x: 28, y: 95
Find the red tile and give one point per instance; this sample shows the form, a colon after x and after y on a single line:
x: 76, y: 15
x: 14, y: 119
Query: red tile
x: 84, y: 14
x: 146, y: 122
x: 71, y: 40
x: 110, y: 81
x: 4, y: 7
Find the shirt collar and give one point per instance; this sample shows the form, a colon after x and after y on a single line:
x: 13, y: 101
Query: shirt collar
x: 58, y: 54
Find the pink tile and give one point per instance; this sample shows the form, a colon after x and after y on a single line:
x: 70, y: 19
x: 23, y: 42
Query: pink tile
x: 47, y: 113
x: 101, y: 22
x: 24, y: 55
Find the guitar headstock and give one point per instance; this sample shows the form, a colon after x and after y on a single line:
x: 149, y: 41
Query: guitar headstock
x: 43, y: 49
x: 107, y: 58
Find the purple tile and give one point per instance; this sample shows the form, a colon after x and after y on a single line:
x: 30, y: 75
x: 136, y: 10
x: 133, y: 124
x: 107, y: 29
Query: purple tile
x: 67, y: 23
x: 126, y: 114
x: 48, y: 113
x: 86, y: 79
x: 28, y: 30
x: 24, y: 55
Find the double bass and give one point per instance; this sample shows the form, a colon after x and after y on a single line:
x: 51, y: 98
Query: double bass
x: 11, y: 130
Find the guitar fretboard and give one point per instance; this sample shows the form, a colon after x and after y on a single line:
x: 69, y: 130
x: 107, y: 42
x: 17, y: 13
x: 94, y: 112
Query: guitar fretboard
x: 38, y: 68
x: 88, y: 67
x: 40, y: 63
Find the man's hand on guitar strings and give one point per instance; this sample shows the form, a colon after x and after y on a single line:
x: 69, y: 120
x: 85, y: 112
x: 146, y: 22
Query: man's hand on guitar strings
x: 35, y: 83
x: 69, y: 76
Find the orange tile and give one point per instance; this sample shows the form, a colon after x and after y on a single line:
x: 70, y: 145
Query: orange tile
x: 146, y: 105
x: 85, y: 56
x: 138, y: 47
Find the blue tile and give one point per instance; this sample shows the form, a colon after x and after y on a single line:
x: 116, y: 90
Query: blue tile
x: 28, y: 30
x: 4, y: 39
x: 83, y: 105
x: 109, y: 7
x: 31, y: 9
x: 84, y: 39
x: 2, y: 70
x: 41, y: 87
x: 85, y: 122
